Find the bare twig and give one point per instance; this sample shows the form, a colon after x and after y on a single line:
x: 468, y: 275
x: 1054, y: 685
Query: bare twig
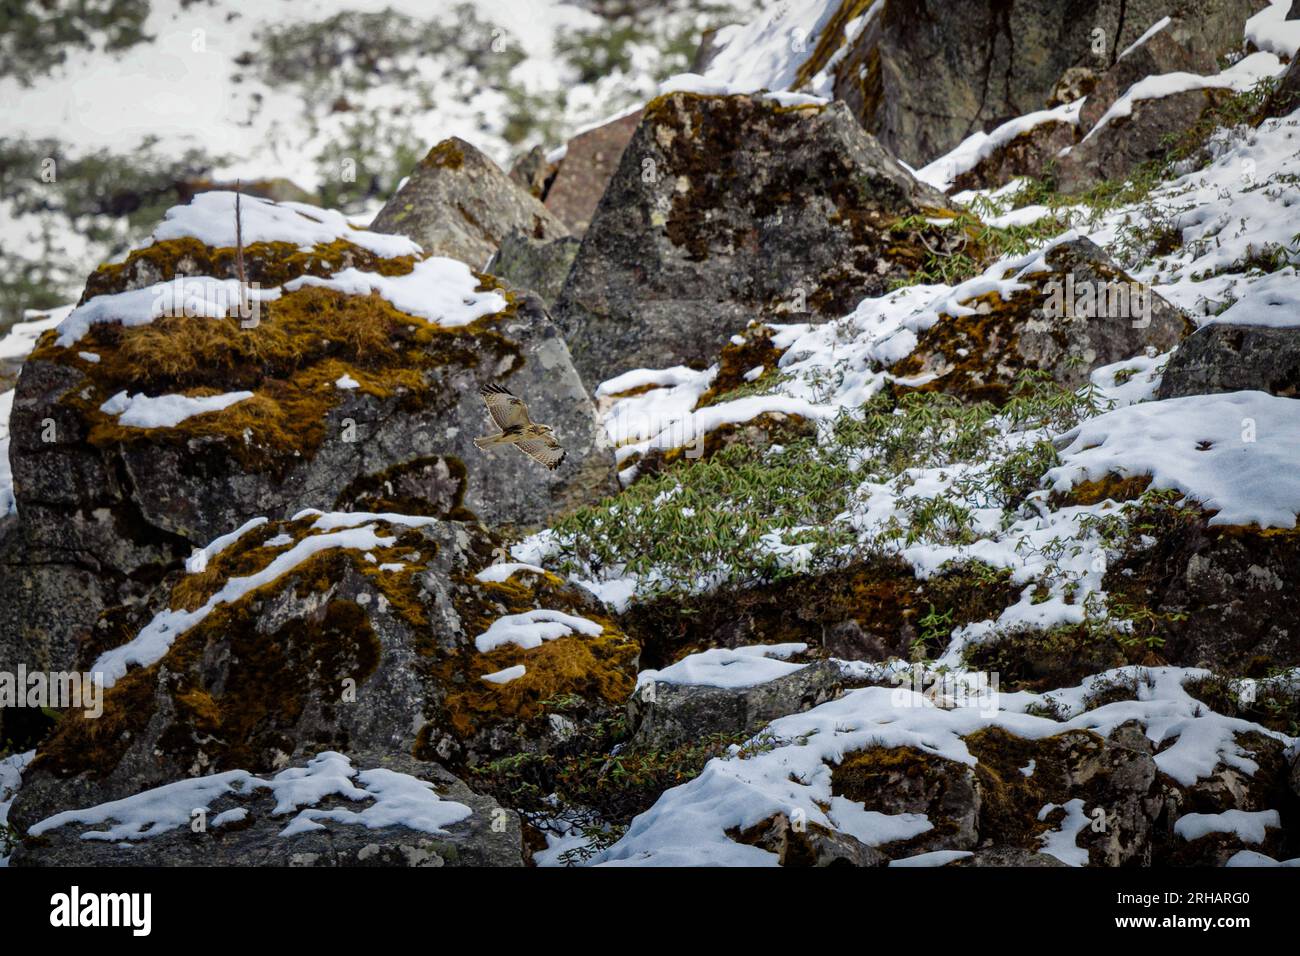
x: 239, y: 251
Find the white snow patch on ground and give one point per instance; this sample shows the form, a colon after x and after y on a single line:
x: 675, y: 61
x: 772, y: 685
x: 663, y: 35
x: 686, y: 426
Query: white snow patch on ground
x: 1234, y: 453
x: 443, y: 291
x: 210, y: 218
x: 11, y: 778
x: 496, y: 573
x: 533, y: 628
x: 166, y: 411
x: 395, y: 799
x: 688, y: 824
x: 1248, y: 826
x: 1062, y: 842
x: 730, y: 668
x: 21, y: 338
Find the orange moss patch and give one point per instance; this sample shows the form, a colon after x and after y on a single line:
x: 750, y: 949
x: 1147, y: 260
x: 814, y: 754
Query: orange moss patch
x: 736, y: 359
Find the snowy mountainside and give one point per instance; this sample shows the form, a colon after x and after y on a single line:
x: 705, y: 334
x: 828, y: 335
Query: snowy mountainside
x: 991, y: 568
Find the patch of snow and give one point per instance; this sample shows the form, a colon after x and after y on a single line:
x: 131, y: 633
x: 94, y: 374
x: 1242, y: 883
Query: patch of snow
x: 730, y: 668
x: 210, y: 218
x: 156, y: 637
x: 1062, y: 843
x: 166, y: 411
x: 531, y: 629
x: 202, y: 557
x: 496, y: 573
x: 505, y: 675
x: 1248, y: 826
x: 395, y: 799
x: 440, y: 290
x: 1234, y: 453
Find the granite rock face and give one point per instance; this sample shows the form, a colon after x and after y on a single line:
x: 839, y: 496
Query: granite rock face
x: 922, y: 75
x: 1231, y: 358
x: 252, y: 830
x: 347, y: 632
x: 700, y: 231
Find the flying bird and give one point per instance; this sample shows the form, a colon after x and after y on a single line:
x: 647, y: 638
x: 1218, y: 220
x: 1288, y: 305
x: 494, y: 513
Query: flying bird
x: 511, y: 415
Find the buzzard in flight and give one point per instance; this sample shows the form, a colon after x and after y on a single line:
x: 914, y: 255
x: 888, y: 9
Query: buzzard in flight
x: 511, y: 415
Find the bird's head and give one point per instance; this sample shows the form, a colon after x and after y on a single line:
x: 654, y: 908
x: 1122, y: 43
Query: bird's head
x: 547, y: 429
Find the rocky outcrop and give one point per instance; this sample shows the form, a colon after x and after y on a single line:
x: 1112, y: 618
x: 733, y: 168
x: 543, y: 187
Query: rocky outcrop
x: 1017, y: 793
x: 810, y: 845
x: 675, y: 714
x: 1222, y: 596
x: 1231, y: 358
x: 1125, y: 142
x: 1076, y: 314
x: 1022, y: 155
x: 355, y: 403
x: 700, y: 231
x: 589, y: 162
x: 538, y: 265
x: 924, y: 76
x: 379, y: 815
x: 360, y: 633
x: 1173, y: 49
x: 458, y: 203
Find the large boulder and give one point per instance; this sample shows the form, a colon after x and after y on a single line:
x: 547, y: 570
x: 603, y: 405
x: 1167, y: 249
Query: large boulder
x: 537, y: 265
x: 922, y: 76
x: 1231, y: 358
x: 1066, y: 312
x: 730, y: 208
x: 590, y: 159
x: 331, y: 810
x: 383, y: 634
x: 458, y: 203
x: 1114, y: 148
x: 1174, y: 49
x: 355, y: 387
x: 666, y: 714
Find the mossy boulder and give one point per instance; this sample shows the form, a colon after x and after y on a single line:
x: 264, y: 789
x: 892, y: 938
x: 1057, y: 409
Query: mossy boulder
x: 245, y: 827
x: 1044, y: 326
x: 355, y: 403
x: 458, y: 203
x: 726, y: 209
x: 343, y: 632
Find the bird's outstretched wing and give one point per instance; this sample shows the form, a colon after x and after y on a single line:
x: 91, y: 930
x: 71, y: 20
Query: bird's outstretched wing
x: 507, y: 411
x: 544, y: 449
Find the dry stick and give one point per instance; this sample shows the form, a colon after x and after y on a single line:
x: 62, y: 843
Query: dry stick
x: 239, y: 253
